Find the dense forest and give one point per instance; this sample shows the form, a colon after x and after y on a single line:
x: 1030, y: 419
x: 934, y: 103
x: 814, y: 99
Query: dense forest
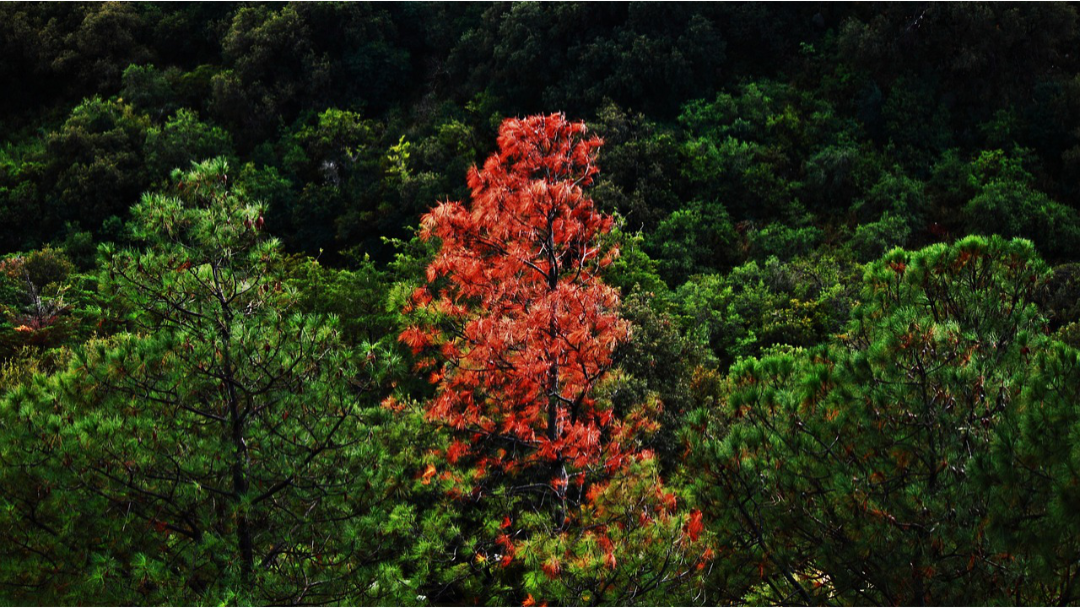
x: 539, y: 303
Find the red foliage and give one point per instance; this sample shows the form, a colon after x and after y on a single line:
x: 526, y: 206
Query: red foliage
x: 527, y: 328
x: 517, y: 331
x: 552, y: 567
x: 694, y: 526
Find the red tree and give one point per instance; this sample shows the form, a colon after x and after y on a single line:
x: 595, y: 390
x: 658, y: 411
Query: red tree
x: 529, y: 328
x: 518, y: 332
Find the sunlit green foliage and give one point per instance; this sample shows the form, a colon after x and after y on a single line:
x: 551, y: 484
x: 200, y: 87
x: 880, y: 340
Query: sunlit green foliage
x: 222, y: 450
x: 852, y: 470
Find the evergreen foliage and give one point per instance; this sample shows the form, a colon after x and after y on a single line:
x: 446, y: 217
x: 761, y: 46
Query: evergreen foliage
x: 220, y: 449
x: 749, y: 303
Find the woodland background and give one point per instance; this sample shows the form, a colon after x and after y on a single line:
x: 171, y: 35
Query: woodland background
x: 835, y: 360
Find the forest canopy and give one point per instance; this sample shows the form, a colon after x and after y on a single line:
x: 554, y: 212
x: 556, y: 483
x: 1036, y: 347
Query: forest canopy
x: 539, y: 303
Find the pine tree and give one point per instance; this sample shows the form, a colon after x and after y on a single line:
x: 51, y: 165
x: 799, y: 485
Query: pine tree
x: 517, y: 331
x: 222, y: 450
x: 847, y: 472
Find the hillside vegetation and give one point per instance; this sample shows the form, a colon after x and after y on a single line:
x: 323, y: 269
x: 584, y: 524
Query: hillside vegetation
x: 527, y: 303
